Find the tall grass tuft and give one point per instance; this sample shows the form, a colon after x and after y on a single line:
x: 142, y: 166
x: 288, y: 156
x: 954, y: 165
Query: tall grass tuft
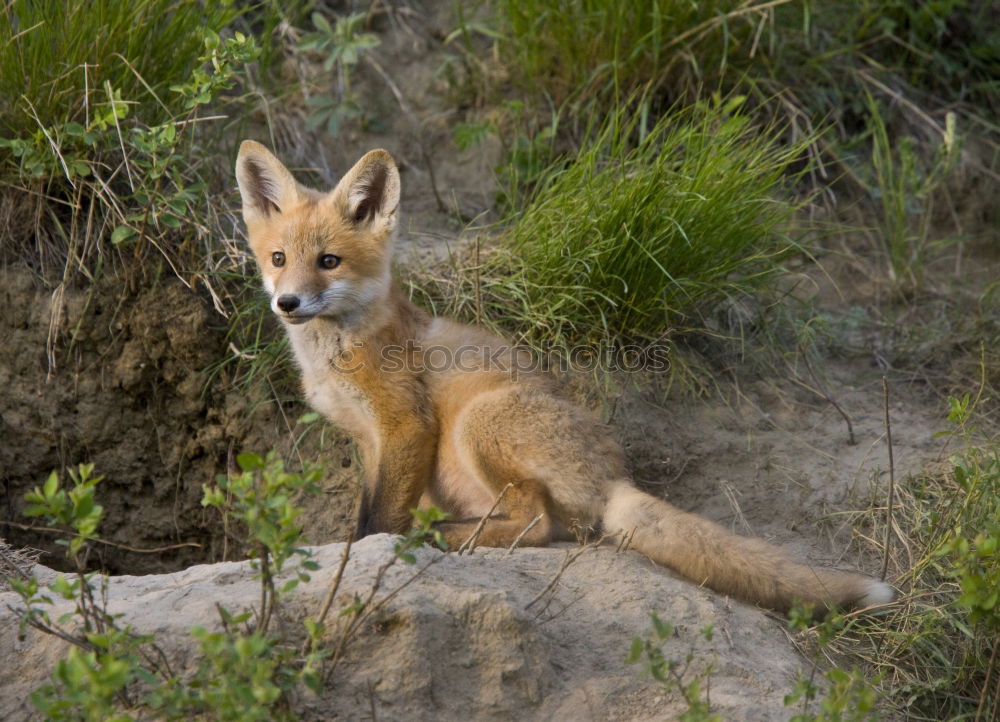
x: 642, y: 229
x: 904, y: 184
x: 53, y: 53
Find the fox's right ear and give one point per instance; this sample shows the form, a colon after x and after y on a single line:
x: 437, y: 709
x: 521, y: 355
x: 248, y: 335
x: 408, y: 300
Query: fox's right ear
x: 265, y: 184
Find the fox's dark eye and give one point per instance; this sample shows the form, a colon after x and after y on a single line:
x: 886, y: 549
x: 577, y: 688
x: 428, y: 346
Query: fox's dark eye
x: 278, y: 258
x: 328, y: 260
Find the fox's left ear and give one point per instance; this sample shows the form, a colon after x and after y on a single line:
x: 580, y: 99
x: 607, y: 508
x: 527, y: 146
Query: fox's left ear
x: 369, y: 193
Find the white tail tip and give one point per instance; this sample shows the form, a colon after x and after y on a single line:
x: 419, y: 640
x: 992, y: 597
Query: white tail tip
x: 878, y: 593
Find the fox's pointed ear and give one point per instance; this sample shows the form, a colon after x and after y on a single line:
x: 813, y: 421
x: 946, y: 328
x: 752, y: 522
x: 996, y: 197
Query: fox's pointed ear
x: 265, y: 184
x: 369, y: 193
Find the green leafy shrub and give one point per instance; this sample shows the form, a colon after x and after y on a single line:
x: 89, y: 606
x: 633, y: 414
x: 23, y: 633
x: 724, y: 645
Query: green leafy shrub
x: 111, y: 671
x: 676, y: 675
x: 107, y: 127
x: 244, y: 670
x: 107, y: 664
x: 260, y: 500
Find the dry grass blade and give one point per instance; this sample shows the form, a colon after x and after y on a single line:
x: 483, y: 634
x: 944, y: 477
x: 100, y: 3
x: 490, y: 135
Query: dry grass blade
x: 517, y: 540
x: 106, y: 542
x: 16, y: 562
x: 310, y: 644
x: 892, y: 479
x: 549, y: 590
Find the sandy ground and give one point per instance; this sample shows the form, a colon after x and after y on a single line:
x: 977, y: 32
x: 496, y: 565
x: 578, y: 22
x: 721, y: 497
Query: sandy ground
x: 486, y: 636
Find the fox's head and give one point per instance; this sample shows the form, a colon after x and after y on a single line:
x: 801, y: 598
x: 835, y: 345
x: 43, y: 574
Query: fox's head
x: 320, y: 254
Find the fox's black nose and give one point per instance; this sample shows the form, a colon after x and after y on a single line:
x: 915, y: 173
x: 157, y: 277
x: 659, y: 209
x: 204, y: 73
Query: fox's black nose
x: 288, y: 302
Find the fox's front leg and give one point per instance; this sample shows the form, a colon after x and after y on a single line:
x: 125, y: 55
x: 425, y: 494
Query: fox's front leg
x: 397, y: 473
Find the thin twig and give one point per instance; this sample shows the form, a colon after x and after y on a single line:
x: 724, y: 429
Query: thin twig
x: 266, y: 590
x: 470, y: 543
x: 479, y: 298
x: 366, y: 609
x: 371, y: 700
x: 892, y: 479
x: 408, y: 111
x: 532, y: 525
x: 426, y: 157
x: 416, y: 575
x: 54, y: 631
x: 126, y: 547
x: 625, y: 541
x: 397, y: 93
x: 708, y: 24
x: 569, y: 559
x: 826, y: 394
x: 983, y: 699
x: 334, y: 587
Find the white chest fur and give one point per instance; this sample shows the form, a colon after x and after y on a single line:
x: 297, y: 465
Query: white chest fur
x: 326, y: 378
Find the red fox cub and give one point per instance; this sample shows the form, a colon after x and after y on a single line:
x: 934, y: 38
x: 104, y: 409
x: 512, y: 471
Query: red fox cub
x: 440, y: 419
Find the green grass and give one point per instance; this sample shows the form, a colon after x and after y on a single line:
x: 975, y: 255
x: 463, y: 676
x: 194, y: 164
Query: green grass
x: 101, y: 141
x: 852, y: 69
x: 640, y: 231
x: 799, y: 57
x: 115, y: 154
x: 935, y: 652
x: 601, y: 49
x: 53, y: 54
x: 934, y: 53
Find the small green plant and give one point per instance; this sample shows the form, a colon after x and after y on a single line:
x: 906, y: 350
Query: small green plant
x: 74, y: 509
x: 127, y: 173
x: 673, y: 674
x: 341, y: 46
x: 260, y: 501
x: 241, y: 675
x: 244, y: 670
x: 849, y: 696
x: 974, y: 548
x: 109, y: 664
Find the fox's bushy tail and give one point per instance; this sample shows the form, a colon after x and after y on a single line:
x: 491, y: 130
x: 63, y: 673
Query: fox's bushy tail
x: 743, y: 567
